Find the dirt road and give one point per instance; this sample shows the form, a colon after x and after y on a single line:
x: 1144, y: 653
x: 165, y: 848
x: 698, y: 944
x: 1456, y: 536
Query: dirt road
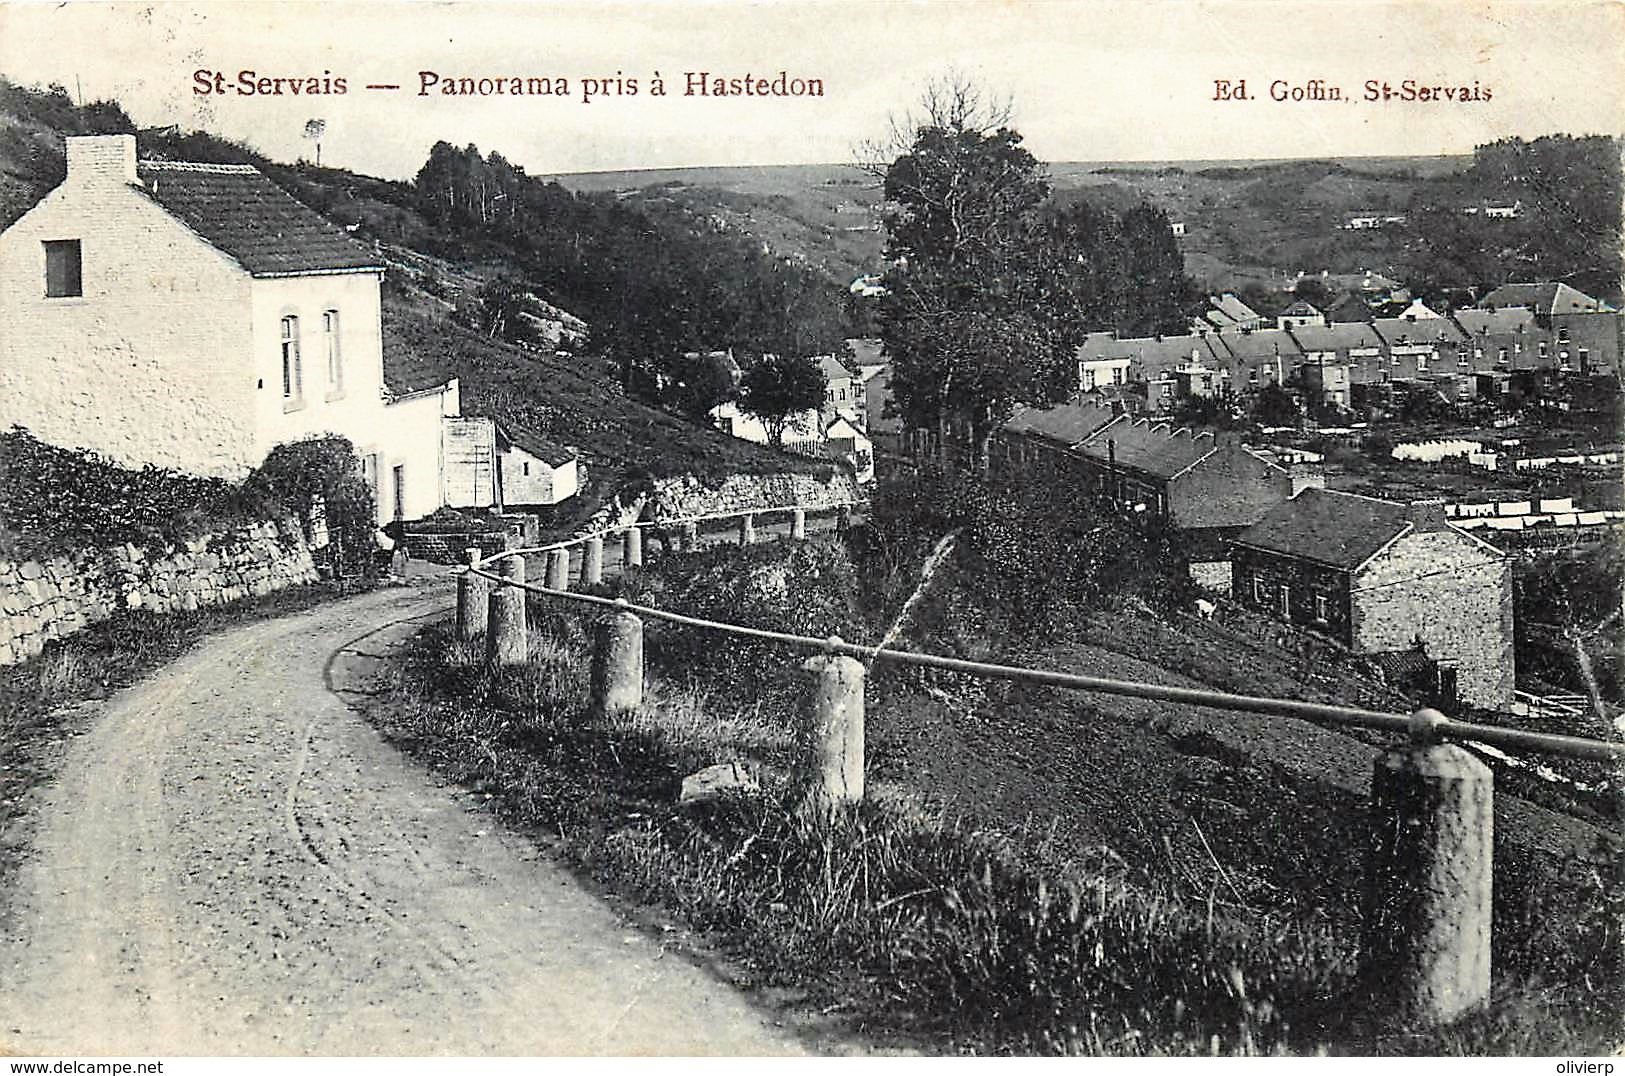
x: 233, y: 862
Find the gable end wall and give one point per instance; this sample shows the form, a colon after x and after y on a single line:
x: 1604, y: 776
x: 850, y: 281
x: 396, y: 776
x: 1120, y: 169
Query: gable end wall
x: 1453, y: 593
x: 152, y: 363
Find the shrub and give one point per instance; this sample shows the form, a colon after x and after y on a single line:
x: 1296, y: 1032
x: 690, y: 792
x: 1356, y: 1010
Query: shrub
x: 55, y: 499
x: 320, y: 477
x: 806, y: 588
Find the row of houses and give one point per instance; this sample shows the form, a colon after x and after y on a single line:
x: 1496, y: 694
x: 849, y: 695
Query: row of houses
x: 194, y: 315
x: 1392, y: 581
x: 1521, y: 339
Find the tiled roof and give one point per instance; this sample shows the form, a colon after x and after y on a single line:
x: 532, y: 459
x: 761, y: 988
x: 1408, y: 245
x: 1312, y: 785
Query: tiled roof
x: 1066, y: 424
x: 832, y: 368
x: 1158, y: 450
x: 1547, y: 298
x: 1232, y: 309
x: 1260, y: 344
x: 1420, y: 331
x: 549, y: 453
x: 236, y: 209
x: 1486, y: 322
x: 1342, y: 530
x: 1339, y: 336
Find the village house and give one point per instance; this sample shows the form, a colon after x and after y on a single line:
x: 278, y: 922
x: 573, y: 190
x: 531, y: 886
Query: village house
x: 1259, y: 358
x: 1383, y: 578
x: 843, y: 391
x: 193, y: 316
x: 1300, y: 313
x: 1208, y: 485
x: 489, y: 467
x: 1227, y: 311
x: 1584, y: 335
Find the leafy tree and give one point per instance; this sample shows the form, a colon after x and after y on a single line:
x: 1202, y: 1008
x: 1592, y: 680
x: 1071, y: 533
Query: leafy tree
x: 704, y: 381
x: 1157, y: 293
x: 1274, y: 406
x: 776, y: 388
x: 1314, y: 291
x: 1222, y: 411
x: 975, y: 318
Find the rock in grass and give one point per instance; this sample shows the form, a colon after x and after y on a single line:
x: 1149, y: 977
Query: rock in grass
x: 714, y: 782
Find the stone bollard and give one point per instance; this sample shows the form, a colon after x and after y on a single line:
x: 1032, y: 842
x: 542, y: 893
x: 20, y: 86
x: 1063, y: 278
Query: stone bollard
x: 558, y: 569
x: 691, y: 537
x: 1426, y: 939
x: 473, y: 599
x: 616, y: 678
x: 507, y: 640
x: 747, y: 529
x: 798, y: 524
x: 834, y: 735
x: 632, y: 548
x: 592, y: 562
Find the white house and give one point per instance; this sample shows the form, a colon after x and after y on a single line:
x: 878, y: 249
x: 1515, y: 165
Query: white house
x: 194, y: 316
x: 487, y: 467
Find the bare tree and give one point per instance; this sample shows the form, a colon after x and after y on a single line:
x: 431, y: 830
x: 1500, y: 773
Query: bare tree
x: 952, y: 101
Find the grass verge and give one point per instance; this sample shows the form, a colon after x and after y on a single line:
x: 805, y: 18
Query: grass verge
x: 908, y: 924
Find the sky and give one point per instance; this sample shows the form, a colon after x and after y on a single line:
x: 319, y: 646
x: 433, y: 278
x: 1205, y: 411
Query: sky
x: 1090, y: 80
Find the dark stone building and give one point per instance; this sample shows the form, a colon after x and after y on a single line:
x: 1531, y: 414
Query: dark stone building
x: 1382, y: 578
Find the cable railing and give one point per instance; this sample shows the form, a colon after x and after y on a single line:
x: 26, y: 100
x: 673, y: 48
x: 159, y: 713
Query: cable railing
x: 666, y: 523
x: 1436, y: 725
x: 1427, y: 900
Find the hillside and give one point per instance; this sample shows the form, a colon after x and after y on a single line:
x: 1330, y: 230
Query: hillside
x: 1244, y: 221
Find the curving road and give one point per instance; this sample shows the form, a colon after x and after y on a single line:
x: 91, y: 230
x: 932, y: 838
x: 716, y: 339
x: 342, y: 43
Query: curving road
x: 233, y: 862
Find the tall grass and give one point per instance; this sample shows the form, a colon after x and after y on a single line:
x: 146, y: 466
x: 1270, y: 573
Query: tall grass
x: 911, y: 924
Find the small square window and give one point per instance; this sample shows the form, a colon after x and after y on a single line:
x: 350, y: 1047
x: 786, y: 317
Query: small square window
x: 63, y: 269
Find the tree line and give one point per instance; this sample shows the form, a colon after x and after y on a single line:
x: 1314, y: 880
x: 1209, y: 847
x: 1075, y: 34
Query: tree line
x: 660, y: 286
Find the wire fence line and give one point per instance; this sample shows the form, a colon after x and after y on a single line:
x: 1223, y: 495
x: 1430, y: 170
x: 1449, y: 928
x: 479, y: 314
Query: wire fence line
x: 1424, y: 724
x: 665, y: 523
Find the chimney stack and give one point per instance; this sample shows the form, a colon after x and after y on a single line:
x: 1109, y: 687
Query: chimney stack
x: 1427, y: 515
x: 101, y: 159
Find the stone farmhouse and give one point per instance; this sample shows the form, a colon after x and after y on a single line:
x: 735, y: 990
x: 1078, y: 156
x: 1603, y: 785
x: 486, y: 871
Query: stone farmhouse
x: 193, y: 316
x: 1382, y: 578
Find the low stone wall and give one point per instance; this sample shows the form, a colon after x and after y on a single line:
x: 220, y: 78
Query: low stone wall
x: 45, y: 599
x: 688, y: 496
x: 448, y: 548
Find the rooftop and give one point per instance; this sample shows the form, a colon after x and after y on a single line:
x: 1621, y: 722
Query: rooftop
x: 267, y: 231
x: 1342, y: 530
x: 1065, y: 424
x: 1154, y: 449
x: 1543, y: 298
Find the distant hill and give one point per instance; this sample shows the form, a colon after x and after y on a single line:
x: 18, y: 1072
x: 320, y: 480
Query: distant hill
x: 1243, y: 221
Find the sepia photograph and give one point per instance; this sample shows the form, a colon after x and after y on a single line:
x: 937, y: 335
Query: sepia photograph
x: 741, y: 528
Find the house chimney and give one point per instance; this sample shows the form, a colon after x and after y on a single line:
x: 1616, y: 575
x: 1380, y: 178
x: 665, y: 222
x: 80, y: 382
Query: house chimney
x: 101, y: 159
x: 1427, y: 515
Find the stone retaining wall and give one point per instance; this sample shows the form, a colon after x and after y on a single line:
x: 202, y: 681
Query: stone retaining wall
x: 688, y: 496
x: 45, y: 599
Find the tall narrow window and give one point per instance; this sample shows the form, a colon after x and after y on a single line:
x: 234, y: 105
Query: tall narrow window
x: 63, y: 275
x: 291, y: 389
x: 1286, y: 602
x: 330, y: 343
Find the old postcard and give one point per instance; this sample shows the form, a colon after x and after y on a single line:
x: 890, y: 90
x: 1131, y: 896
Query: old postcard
x: 815, y: 527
